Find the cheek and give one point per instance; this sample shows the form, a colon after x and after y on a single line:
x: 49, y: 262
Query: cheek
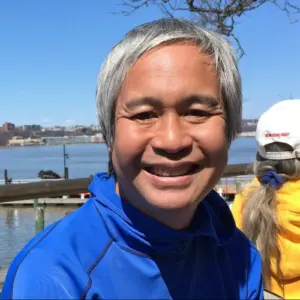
x: 129, y: 143
x: 212, y: 138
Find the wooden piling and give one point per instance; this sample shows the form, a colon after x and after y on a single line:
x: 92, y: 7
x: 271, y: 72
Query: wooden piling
x: 66, y: 173
x: 7, y: 180
x: 35, y: 203
x: 39, y: 219
x: 5, y: 176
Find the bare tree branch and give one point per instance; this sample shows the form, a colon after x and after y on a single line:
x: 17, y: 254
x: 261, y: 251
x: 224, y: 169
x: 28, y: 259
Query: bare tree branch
x: 217, y: 15
x: 240, y: 49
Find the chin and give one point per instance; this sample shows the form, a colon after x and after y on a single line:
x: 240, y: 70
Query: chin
x: 170, y: 200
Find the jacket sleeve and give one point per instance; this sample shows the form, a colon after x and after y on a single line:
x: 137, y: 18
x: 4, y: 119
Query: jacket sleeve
x: 32, y: 278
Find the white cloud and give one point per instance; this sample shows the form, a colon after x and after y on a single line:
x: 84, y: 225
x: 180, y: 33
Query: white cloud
x: 68, y: 123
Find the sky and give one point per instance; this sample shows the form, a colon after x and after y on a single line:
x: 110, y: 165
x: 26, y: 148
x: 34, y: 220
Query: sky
x: 51, y: 53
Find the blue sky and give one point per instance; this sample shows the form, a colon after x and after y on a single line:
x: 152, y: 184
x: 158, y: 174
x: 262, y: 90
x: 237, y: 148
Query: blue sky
x: 51, y: 53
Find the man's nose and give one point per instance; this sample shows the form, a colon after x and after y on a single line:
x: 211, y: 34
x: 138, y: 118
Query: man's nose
x: 172, y: 138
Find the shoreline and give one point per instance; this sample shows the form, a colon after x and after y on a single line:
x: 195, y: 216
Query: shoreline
x: 38, y: 146
x: 242, y: 135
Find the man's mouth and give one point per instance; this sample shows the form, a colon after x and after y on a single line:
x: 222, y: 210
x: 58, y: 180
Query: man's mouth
x: 172, y: 172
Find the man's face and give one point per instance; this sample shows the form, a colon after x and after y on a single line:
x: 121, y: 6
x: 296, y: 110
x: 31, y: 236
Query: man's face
x: 170, y: 146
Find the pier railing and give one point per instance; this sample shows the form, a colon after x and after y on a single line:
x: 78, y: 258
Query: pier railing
x: 57, y: 188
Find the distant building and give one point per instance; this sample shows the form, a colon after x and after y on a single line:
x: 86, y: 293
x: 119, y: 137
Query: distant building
x: 83, y: 139
x: 54, y: 128
x: 97, y: 138
x: 8, y: 126
x: 19, y: 141
x: 249, y: 125
x: 70, y: 129
x: 32, y: 127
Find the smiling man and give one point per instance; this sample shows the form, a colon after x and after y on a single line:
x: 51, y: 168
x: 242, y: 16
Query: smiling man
x: 169, y: 103
x: 170, y: 145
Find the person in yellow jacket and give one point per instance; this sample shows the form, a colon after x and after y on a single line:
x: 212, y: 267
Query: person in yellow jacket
x: 268, y: 209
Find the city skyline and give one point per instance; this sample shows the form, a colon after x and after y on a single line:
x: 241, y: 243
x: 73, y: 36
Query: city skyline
x: 52, y: 53
x: 76, y: 125
x: 55, y: 125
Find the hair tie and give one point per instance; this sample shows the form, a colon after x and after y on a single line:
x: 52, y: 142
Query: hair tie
x: 272, y: 179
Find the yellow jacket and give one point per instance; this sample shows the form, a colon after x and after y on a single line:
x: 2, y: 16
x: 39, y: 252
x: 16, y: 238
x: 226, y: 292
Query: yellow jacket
x: 288, y: 216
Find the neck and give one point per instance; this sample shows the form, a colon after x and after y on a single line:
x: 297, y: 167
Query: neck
x: 177, y: 219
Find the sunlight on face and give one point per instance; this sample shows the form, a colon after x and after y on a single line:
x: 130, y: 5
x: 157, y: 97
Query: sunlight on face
x: 170, y: 146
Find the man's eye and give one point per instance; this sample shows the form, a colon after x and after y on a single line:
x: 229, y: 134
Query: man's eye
x: 197, y: 113
x: 145, y: 116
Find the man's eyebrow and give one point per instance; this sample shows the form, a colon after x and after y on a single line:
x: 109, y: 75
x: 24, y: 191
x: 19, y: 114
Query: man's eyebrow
x: 209, y: 101
x: 150, y: 101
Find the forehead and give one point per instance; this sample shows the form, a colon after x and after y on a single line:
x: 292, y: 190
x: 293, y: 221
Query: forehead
x: 163, y: 56
x: 171, y: 72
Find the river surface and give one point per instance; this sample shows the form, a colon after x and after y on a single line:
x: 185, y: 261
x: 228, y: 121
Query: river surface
x: 17, y: 224
x: 85, y: 159
x: 17, y: 227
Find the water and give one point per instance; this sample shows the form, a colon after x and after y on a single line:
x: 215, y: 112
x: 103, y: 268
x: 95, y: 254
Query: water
x: 25, y: 163
x: 17, y: 225
x: 84, y: 160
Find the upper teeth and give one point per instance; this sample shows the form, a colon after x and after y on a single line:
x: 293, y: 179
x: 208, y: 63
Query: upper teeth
x: 169, y: 172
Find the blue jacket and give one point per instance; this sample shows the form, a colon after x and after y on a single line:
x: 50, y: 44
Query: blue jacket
x: 109, y: 250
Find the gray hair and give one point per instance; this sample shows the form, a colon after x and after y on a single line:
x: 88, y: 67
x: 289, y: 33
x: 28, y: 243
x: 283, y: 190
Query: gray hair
x: 167, y: 31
